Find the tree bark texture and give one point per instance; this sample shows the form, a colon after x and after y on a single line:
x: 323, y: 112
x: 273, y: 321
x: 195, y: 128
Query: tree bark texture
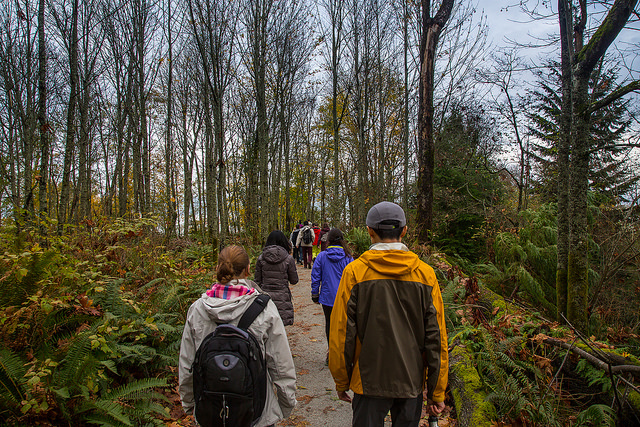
x: 564, y: 144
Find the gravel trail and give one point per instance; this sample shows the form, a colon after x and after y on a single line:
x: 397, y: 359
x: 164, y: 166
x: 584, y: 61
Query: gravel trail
x: 318, y: 404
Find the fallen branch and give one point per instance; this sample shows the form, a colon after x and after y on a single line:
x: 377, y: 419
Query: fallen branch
x: 635, y: 369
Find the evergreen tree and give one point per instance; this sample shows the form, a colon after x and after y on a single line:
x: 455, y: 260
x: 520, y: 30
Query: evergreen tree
x: 611, y: 176
x: 465, y: 182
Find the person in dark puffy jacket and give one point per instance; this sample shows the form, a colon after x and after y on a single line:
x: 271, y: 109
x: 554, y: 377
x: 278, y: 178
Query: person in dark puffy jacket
x: 275, y: 270
x: 327, y: 271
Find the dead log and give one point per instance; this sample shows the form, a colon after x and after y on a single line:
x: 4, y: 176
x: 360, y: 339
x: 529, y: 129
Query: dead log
x: 468, y: 393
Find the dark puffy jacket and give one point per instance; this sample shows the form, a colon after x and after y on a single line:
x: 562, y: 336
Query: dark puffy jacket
x: 275, y: 269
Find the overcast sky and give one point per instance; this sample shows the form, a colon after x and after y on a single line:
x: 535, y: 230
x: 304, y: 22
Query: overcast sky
x: 507, y: 22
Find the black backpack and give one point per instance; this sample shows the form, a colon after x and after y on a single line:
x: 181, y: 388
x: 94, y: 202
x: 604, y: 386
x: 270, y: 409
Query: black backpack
x: 229, y: 373
x: 307, y: 236
x: 294, y: 236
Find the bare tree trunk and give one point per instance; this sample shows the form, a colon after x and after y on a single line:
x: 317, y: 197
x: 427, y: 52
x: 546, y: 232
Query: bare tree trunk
x: 336, y: 8
x: 259, y: 59
x: 209, y: 167
x: 431, y: 29
x: 65, y: 189
x: 170, y: 197
x: 42, y: 115
x: 405, y: 112
x: 84, y: 161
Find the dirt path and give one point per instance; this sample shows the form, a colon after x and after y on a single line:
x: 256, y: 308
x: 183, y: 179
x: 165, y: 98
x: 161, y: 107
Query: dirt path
x: 318, y: 404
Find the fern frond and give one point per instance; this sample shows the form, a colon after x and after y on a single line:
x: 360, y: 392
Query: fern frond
x: 599, y: 415
x: 128, y: 390
x: 77, y: 364
x: 12, y: 371
x: 145, y: 408
x: 152, y: 283
x: 103, y: 410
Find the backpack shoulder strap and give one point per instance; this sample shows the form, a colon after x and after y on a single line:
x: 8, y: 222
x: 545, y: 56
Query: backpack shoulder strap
x: 256, y: 307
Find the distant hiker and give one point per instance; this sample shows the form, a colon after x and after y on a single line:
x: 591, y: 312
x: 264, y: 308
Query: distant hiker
x: 388, y: 337
x: 316, y: 234
x: 322, y: 241
x: 294, y: 236
x: 326, y: 274
x: 316, y: 241
x: 305, y: 243
x: 275, y: 269
x: 224, y: 303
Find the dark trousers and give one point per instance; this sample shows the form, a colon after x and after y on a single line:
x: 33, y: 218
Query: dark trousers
x: 327, y: 319
x: 371, y: 411
x: 296, y: 256
x: 307, y: 254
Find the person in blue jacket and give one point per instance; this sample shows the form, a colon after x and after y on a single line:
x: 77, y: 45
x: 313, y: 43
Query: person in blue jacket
x: 327, y: 271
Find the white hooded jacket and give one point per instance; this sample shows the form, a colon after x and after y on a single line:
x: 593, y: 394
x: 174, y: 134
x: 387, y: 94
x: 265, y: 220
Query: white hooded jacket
x: 202, y: 317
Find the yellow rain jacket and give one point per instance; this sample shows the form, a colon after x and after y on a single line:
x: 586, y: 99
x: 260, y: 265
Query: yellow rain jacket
x: 388, y: 336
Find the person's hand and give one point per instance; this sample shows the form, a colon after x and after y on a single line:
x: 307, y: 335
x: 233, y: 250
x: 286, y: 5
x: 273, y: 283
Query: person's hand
x: 315, y: 298
x: 435, y: 408
x: 343, y: 395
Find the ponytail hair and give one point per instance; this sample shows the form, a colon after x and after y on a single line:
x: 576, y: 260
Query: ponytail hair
x: 336, y: 238
x: 231, y: 262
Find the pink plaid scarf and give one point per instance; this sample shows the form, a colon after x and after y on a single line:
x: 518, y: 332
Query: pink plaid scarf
x: 229, y: 291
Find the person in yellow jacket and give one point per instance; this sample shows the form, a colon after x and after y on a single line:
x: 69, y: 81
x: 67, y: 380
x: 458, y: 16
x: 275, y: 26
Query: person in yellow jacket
x: 388, y: 340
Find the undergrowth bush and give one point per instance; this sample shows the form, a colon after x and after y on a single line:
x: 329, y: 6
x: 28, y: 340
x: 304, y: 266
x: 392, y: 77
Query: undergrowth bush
x: 93, y: 329
x: 359, y: 240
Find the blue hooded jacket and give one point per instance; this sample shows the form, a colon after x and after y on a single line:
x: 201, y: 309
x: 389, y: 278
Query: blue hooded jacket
x: 326, y: 273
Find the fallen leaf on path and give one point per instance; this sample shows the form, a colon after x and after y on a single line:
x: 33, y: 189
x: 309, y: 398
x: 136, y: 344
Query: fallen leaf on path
x: 294, y: 421
x: 305, y: 399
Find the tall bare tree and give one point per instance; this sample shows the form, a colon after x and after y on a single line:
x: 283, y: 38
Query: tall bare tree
x: 45, y: 129
x: 431, y: 29
x: 214, y: 29
x: 71, y: 36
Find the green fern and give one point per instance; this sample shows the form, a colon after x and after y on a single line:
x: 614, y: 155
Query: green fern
x: 12, y: 381
x: 128, y: 405
x: 594, y: 376
x: 76, y: 363
x: 23, y: 274
x: 359, y: 240
x: 516, y: 385
x: 105, y: 412
x: 597, y: 415
x: 132, y: 390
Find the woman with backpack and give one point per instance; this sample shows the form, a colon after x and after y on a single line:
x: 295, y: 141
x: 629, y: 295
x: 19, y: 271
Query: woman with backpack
x: 327, y: 272
x: 224, y: 304
x: 275, y: 270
